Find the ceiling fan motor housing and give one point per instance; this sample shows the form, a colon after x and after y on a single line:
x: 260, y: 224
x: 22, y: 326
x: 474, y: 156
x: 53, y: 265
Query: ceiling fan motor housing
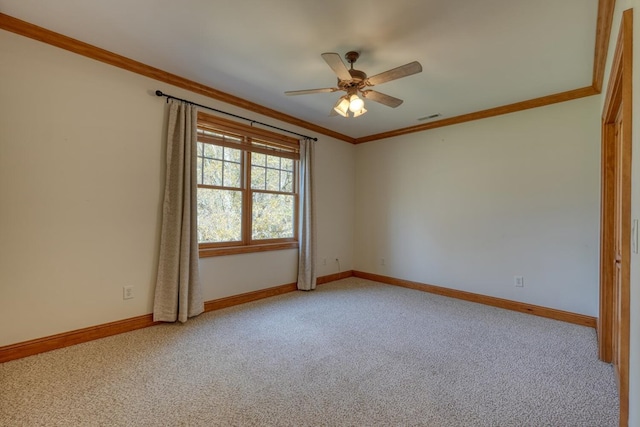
x: 357, y: 80
x: 357, y: 77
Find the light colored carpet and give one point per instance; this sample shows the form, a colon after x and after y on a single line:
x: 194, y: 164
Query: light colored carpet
x: 351, y: 353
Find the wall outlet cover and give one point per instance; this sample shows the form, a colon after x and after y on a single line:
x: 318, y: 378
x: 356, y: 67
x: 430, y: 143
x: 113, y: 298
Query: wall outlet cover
x: 518, y: 281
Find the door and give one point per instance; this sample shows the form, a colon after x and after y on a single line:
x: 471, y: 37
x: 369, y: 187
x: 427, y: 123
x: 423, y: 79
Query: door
x: 615, y: 226
x: 618, y: 243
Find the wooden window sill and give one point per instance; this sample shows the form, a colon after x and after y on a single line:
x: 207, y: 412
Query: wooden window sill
x: 231, y: 250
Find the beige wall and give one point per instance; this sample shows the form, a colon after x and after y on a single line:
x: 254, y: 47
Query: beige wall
x: 81, y: 174
x: 470, y: 206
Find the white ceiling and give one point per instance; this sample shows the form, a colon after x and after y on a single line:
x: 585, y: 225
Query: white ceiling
x: 475, y: 54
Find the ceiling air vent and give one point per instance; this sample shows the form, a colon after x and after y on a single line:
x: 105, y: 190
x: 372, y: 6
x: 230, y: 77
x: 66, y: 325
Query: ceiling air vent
x: 433, y: 116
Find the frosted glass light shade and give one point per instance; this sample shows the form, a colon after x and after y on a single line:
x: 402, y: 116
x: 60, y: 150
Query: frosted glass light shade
x: 355, y: 103
x: 342, y: 107
x: 359, y: 112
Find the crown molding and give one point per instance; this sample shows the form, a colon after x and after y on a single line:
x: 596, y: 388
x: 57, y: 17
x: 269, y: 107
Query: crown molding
x: 603, y: 32
x: 491, y: 112
x: 35, y: 32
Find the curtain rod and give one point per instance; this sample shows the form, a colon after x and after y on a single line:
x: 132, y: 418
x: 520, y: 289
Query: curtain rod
x: 159, y: 93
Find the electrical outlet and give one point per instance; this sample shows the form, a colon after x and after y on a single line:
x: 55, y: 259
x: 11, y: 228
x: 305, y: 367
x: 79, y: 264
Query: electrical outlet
x: 518, y: 281
x: 324, y: 261
x: 127, y: 292
x: 382, y: 261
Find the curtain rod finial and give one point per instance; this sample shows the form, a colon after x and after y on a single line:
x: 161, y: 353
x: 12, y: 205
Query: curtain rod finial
x: 159, y: 93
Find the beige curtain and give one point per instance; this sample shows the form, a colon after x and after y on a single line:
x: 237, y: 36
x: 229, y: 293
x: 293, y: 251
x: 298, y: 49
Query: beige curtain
x: 178, y: 294
x: 307, y: 221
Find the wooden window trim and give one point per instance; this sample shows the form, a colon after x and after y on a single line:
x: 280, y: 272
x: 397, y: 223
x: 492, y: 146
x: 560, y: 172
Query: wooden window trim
x: 235, y: 250
x: 285, y: 147
x: 249, y: 147
x: 207, y: 121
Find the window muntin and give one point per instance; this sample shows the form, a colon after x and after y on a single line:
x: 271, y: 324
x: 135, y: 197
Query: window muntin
x: 272, y: 173
x: 247, y: 186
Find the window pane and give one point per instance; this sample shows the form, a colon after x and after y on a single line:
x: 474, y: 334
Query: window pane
x: 273, y: 162
x: 258, y: 179
x: 199, y: 170
x: 219, y: 215
x: 272, y: 216
x: 286, y: 181
x: 212, y: 151
x: 232, y: 174
x: 258, y: 159
x: 286, y: 164
x: 212, y: 172
x: 273, y: 180
x: 232, y: 154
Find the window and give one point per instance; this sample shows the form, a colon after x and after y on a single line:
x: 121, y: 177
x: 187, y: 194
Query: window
x: 247, y: 188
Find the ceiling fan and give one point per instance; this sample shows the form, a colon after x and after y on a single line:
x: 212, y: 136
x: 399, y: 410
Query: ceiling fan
x: 355, y: 82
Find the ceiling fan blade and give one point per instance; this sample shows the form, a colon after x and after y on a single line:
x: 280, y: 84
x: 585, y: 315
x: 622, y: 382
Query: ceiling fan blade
x: 335, y: 62
x: 308, y: 91
x: 399, y: 72
x: 387, y: 100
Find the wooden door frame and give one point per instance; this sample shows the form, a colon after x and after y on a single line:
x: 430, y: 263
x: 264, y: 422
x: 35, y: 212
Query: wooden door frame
x: 618, y: 100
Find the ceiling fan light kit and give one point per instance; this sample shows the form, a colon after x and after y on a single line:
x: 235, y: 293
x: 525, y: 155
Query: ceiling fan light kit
x: 351, y: 103
x: 354, y: 81
x: 342, y: 107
